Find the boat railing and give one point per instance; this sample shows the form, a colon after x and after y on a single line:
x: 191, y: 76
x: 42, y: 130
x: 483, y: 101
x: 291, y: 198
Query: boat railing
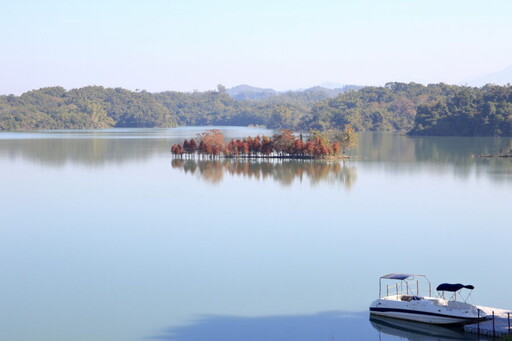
x: 401, y: 290
x: 408, y: 286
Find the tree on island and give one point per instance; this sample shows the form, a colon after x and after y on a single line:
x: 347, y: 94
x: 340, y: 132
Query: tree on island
x: 210, y: 144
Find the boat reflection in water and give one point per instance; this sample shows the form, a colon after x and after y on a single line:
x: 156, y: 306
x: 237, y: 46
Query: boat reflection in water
x: 283, y: 171
x: 417, y: 331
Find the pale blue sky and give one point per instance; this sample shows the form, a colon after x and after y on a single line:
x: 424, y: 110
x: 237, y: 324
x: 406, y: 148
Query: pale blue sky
x: 196, y: 44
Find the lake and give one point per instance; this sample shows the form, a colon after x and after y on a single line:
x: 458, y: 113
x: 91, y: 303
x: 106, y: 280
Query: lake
x: 106, y: 237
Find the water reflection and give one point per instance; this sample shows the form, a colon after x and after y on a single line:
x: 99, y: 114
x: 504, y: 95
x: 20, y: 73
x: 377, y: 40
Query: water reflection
x: 376, y: 146
x: 441, y: 154
x: 103, y: 147
x: 92, y: 152
x: 332, y: 325
x: 283, y: 171
x: 416, y: 331
x: 395, y: 152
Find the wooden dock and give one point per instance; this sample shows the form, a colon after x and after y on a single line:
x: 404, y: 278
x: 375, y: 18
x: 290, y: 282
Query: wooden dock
x: 499, y: 327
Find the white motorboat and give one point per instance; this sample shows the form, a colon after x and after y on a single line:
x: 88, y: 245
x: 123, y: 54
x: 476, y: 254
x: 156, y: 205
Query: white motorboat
x: 405, y: 302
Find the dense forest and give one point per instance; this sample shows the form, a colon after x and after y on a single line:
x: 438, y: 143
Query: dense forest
x: 435, y: 109
x: 468, y: 112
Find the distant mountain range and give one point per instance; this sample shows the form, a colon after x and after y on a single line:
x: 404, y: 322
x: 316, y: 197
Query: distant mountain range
x: 501, y: 77
x: 244, y: 91
x: 247, y: 92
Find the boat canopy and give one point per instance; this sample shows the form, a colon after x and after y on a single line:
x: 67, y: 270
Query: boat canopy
x: 405, y: 286
x: 453, y: 287
x: 399, y: 276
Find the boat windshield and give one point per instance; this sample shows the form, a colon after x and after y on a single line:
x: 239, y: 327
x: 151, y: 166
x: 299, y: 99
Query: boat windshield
x: 407, y: 298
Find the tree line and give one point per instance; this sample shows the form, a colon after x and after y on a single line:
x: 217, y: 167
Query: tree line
x: 210, y: 144
x: 91, y: 107
x: 468, y: 112
x: 434, y: 109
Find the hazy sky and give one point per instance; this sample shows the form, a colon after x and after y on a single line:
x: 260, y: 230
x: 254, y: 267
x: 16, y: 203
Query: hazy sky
x: 282, y: 44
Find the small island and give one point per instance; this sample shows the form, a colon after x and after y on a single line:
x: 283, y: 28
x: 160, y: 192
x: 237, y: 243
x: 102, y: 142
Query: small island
x: 504, y: 152
x: 329, y: 144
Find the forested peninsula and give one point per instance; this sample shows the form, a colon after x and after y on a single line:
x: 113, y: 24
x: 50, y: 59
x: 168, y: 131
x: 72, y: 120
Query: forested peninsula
x: 435, y: 109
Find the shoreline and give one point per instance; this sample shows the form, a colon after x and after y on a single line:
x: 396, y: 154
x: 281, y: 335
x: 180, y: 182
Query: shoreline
x: 489, y: 156
x: 273, y: 157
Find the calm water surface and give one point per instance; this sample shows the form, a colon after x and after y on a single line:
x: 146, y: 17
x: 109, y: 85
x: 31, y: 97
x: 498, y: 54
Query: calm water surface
x: 105, y: 237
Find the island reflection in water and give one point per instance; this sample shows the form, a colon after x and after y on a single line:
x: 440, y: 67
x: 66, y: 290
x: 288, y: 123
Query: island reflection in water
x: 283, y: 171
x: 330, y: 325
x: 394, y: 152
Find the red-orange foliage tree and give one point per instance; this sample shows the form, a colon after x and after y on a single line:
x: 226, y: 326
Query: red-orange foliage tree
x: 256, y: 145
x: 267, y: 146
x: 211, y: 144
x: 177, y: 149
x: 283, y: 143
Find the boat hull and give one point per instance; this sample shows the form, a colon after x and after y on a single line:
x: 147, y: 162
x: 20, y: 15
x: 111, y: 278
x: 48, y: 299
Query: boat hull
x: 426, y: 311
x: 422, y: 316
